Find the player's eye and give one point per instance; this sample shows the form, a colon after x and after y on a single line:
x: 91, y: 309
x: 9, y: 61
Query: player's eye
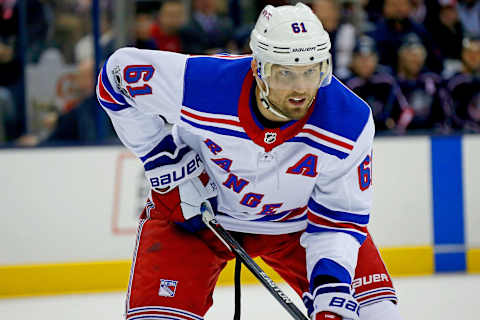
x: 285, y: 73
x: 309, y: 72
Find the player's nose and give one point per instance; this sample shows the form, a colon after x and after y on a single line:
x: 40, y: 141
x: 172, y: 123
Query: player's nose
x: 300, y: 85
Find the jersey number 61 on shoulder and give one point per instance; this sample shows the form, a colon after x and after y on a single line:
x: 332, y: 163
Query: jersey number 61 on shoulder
x: 365, y: 173
x: 135, y: 73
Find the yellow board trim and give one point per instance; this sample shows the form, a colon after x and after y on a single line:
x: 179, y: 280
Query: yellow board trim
x: 46, y: 279
x: 473, y: 260
x: 104, y: 276
x: 409, y: 261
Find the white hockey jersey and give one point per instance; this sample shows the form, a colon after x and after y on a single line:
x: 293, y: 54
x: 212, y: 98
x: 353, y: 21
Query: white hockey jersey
x: 313, y: 174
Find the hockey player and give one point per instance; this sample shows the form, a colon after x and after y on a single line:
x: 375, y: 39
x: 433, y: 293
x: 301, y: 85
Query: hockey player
x: 464, y: 88
x: 425, y: 90
x: 281, y: 150
x: 375, y: 84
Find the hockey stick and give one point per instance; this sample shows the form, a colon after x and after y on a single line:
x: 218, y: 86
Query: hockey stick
x: 232, y: 244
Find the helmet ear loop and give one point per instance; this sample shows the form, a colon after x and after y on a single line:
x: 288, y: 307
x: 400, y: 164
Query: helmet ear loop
x: 261, y: 75
x: 267, y: 88
x: 326, y: 73
x: 264, y: 98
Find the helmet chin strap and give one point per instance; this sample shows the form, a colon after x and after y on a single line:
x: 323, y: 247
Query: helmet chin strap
x: 269, y: 106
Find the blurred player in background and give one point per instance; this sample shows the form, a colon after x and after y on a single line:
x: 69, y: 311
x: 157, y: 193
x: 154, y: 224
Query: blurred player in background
x: 424, y: 90
x: 277, y: 146
x: 465, y: 88
x: 375, y: 84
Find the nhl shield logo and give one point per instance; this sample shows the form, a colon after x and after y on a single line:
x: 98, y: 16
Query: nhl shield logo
x: 270, y: 137
x: 167, y: 288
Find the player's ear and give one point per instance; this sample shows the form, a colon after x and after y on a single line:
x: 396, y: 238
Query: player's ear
x: 254, y: 66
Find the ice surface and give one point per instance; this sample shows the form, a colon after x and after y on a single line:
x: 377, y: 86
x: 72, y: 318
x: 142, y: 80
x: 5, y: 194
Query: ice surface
x: 439, y: 297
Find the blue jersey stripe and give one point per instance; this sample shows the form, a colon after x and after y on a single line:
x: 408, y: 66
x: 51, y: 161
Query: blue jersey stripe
x: 166, y: 144
x: 370, y: 301
x: 222, y: 131
x: 271, y: 217
x: 329, y: 267
x: 166, y: 160
x: 108, y: 86
x: 311, y: 143
x: 313, y: 229
x: 337, y: 215
x: 392, y: 291
x: 297, y: 219
x: 338, y: 288
x: 113, y: 106
x: 148, y: 316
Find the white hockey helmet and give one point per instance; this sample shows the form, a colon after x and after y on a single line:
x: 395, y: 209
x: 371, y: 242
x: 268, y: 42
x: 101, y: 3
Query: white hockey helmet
x: 290, y: 35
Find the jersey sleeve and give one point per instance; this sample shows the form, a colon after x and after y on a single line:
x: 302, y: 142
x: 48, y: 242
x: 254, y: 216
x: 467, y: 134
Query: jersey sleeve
x: 142, y: 92
x: 338, y: 212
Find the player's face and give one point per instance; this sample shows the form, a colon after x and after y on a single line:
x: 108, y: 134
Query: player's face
x: 364, y: 64
x: 292, y: 88
x: 471, y: 56
x: 411, y: 60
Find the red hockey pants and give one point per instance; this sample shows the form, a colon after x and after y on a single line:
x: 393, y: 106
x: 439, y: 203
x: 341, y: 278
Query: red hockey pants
x: 174, y: 272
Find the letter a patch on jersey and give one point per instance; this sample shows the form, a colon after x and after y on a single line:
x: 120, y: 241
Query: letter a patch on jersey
x: 307, y: 166
x: 167, y: 288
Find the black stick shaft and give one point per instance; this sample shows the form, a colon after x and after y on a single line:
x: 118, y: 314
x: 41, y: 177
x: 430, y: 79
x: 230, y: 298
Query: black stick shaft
x: 256, y: 270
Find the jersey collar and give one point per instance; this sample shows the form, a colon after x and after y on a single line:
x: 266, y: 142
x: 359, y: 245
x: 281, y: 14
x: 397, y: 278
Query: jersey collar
x: 268, y: 138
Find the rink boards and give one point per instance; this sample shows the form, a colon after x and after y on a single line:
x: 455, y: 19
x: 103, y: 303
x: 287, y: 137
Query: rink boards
x: 69, y: 214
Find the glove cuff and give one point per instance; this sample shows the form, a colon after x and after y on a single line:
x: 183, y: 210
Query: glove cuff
x: 339, y: 303
x: 165, y: 178
x: 332, y: 297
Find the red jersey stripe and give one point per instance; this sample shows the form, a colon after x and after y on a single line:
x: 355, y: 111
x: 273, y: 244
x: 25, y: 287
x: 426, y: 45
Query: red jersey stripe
x: 104, y: 94
x: 295, y: 213
x: 321, y: 221
x: 208, y: 119
x: 329, y: 139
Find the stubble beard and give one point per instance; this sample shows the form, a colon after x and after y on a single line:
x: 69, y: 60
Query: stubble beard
x: 296, y: 113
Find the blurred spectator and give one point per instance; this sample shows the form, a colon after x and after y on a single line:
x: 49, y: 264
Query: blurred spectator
x: 72, y: 32
x: 469, y: 12
x: 373, y: 8
x: 464, y: 88
x: 70, y: 27
x: 10, y: 67
x: 352, y: 11
x: 419, y: 11
x: 207, y: 32
x: 84, y: 49
x: 39, y: 27
x: 447, y: 33
x: 395, y: 24
x: 378, y: 88
x: 165, y: 31
x: 7, y: 115
x: 79, y: 124
x: 446, y: 30
x: 424, y: 90
x: 143, y: 28
x: 342, y: 35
